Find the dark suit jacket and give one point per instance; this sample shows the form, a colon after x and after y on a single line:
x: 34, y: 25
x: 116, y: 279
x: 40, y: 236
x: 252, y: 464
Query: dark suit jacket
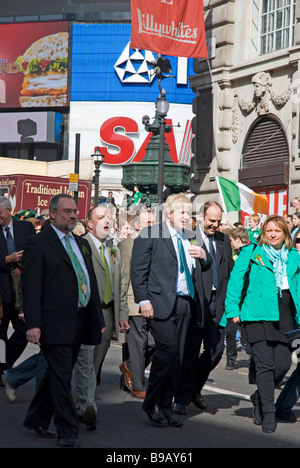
x: 225, y: 265
x: 50, y: 290
x: 154, y: 268
x: 21, y: 230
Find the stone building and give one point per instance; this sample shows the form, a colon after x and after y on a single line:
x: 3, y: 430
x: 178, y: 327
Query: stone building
x: 247, y: 100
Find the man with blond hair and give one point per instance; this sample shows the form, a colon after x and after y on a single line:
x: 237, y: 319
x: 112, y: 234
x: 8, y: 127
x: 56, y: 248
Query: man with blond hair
x: 166, y: 278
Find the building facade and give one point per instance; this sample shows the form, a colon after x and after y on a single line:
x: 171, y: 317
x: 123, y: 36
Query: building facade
x: 249, y: 93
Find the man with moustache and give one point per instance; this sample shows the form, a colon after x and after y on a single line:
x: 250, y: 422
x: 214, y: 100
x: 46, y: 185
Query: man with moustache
x: 166, y: 275
x: 195, y: 368
x: 111, y: 284
x: 62, y: 310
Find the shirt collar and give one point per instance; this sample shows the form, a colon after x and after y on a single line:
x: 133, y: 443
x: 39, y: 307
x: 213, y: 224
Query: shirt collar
x: 97, y: 242
x: 174, y: 233
x: 61, y: 234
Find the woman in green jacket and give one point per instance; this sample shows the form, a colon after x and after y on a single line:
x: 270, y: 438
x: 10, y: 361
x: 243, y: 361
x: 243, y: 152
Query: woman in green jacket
x: 267, y: 309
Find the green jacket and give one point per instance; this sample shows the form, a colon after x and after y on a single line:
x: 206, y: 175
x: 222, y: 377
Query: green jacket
x: 261, y: 301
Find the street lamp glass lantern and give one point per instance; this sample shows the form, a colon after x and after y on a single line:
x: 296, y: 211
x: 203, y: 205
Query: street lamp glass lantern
x: 97, y: 155
x: 162, y: 106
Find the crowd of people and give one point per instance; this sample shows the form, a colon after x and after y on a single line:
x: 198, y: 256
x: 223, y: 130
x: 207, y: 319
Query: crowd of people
x: 173, y: 292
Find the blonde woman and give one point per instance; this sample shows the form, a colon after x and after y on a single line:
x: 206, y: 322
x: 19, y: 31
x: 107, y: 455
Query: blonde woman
x: 267, y: 310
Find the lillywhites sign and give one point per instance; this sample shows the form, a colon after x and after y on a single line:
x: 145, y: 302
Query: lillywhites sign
x: 171, y: 27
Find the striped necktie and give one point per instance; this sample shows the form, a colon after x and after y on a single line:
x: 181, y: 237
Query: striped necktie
x: 83, y: 292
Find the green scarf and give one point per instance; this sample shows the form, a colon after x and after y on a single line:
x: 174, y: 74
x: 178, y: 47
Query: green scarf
x: 278, y: 258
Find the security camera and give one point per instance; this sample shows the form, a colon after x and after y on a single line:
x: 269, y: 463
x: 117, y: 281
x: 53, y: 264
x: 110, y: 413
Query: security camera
x: 146, y: 120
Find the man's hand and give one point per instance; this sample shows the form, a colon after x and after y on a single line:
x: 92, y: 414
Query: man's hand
x: 33, y: 336
x: 197, y: 252
x: 124, y: 326
x: 15, y: 257
x: 147, y: 310
x: 236, y: 320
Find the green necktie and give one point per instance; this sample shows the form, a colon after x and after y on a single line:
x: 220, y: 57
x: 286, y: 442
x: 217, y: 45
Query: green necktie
x: 107, y: 297
x: 184, y: 267
x: 83, y: 291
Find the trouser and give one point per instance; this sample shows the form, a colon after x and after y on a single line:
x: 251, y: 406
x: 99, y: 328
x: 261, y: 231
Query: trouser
x: 141, y: 347
x: 169, y: 336
x: 17, y: 342
x: 54, y: 395
x: 231, y: 348
x: 33, y: 367
x: 272, y: 362
x: 289, y: 395
x: 196, y: 369
x: 89, y: 360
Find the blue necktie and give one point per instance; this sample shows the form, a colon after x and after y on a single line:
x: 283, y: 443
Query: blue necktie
x: 184, y: 267
x: 9, y: 241
x: 214, y: 265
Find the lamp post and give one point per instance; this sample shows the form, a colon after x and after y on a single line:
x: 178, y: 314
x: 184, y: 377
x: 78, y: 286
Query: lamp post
x: 98, y: 160
x: 162, y: 106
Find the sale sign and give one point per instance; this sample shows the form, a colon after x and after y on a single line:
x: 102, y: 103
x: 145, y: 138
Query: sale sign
x: 170, y: 27
x: 34, y: 65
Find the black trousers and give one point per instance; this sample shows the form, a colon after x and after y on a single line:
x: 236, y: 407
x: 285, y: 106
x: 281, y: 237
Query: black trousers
x: 169, y: 336
x: 196, y: 368
x: 54, y: 395
x: 272, y: 362
x: 17, y: 342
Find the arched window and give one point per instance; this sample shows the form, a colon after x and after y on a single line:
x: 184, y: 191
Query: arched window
x: 265, y: 157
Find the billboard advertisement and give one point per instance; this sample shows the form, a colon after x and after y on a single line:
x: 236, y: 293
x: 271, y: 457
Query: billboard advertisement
x: 34, y: 65
x: 105, y: 68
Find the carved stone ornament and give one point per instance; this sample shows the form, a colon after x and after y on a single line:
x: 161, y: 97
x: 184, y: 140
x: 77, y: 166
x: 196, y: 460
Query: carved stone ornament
x: 263, y: 93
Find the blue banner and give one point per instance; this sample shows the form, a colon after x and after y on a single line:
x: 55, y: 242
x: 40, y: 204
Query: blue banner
x: 104, y: 68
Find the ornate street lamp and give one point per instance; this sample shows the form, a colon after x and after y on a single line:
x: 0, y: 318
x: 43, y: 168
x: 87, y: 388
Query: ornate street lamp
x: 162, y: 106
x: 98, y: 160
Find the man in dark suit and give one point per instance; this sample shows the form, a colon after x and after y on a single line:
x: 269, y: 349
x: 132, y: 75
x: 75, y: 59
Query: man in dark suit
x: 62, y: 310
x: 13, y: 235
x: 196, y: 369
x: 163, y: 264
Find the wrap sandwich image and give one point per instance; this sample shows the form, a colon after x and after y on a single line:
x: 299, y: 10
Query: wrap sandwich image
x: 45, y: 66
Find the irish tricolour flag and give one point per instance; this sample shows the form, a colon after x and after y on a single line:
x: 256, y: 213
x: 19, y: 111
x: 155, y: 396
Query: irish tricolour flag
x: 236, y: 196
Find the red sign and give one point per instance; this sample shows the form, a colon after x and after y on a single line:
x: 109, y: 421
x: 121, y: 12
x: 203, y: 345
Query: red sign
x: 125, y: 145
x: 30, y: 192
x: 34, y: 65
x: 170, y: 27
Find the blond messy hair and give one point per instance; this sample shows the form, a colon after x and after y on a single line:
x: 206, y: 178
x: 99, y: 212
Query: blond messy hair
x: 176, y: 201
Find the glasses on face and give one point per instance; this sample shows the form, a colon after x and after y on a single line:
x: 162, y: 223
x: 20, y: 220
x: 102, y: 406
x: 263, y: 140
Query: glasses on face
x: 68, y: 211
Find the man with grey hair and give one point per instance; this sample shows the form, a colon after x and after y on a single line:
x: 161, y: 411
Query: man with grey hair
x: 13, y: 235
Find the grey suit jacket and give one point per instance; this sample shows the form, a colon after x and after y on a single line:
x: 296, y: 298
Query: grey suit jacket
x: 118, y: 279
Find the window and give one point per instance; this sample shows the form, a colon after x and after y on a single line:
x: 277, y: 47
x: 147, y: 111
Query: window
x: 273, y: 25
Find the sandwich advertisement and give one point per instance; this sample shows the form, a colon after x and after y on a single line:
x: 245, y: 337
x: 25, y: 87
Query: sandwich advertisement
x: 34, y: 65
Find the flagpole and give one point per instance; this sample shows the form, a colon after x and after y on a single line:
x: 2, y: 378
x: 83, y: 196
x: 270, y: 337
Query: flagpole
x: 221, y: 195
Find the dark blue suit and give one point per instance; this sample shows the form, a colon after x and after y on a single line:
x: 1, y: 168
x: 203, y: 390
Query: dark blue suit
x: 17, y: 342
x: 154, y: 269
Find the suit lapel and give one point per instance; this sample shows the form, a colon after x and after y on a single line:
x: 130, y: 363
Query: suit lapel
x: 3, y: 246
x: 219, y: 247
x: 95, y: 252
x: 56, y: 243
x: 165, y: 234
